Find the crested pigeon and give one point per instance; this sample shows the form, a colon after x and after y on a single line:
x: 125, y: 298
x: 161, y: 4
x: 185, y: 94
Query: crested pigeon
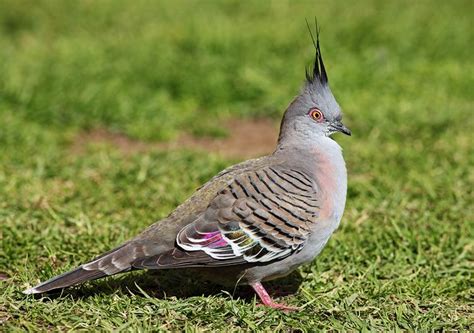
x: 254, y: 221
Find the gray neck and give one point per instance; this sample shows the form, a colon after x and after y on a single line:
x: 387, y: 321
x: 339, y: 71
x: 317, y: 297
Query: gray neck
x: 301, y: 139
x: 301, y: 146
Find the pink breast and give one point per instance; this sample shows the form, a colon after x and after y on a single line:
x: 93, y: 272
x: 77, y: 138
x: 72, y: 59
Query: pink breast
x: 326, y: 179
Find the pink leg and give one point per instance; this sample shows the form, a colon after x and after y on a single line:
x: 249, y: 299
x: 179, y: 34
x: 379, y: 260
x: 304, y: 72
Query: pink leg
x: 267, y: 300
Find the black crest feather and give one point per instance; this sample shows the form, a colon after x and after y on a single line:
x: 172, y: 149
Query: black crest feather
x: 319, y: 71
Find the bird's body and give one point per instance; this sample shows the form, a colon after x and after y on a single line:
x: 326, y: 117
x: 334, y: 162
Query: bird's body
x: 255, y: 221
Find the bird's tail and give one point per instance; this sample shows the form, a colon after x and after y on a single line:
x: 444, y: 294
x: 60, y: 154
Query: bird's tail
x: 116, y: 261
x: 67, y: 279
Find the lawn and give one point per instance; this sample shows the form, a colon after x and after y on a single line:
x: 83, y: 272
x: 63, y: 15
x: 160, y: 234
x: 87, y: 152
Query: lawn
x: 146, y: 74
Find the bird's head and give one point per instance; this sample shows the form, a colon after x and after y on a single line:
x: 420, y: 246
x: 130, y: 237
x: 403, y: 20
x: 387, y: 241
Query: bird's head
x: 314, y: 112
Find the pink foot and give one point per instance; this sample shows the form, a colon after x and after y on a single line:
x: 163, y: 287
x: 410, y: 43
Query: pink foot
x: 267, y: 300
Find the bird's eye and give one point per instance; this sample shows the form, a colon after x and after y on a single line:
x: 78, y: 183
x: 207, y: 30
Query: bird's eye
x: 316, y: 115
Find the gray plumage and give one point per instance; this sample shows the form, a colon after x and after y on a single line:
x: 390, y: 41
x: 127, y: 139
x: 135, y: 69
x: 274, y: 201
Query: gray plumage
x: 256, y: 220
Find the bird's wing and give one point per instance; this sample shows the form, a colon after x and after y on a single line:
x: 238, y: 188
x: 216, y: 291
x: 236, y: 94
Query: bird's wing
x: 262, y: 215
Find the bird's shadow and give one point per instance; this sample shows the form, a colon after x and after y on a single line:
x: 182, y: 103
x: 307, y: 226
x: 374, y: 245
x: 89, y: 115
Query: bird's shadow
x: 181, y: 284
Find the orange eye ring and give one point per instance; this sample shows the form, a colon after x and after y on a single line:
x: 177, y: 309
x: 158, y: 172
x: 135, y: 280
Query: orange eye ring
x: 316, y: 115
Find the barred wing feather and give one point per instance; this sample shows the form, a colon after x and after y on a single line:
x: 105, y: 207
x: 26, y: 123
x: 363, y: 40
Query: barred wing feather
x: 260, y: 216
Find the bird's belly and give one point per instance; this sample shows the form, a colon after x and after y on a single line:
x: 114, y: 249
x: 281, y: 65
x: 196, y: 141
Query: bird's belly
x: 313, y: 247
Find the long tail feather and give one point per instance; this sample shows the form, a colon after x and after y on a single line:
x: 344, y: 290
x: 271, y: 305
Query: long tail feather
x: 110, y: 263
x: 67, y: 279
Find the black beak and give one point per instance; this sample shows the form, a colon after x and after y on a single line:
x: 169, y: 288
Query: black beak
x: 339, y: 127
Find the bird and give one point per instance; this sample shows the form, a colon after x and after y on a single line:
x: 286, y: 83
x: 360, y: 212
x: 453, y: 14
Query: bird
x: 257, y: 220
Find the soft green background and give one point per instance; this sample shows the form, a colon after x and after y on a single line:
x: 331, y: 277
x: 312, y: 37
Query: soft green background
x: 401, y: 70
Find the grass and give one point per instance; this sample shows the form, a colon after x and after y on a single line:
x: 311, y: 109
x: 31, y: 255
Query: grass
x: 402, y: 71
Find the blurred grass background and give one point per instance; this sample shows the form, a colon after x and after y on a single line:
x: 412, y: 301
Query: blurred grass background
x: 152, y: 70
